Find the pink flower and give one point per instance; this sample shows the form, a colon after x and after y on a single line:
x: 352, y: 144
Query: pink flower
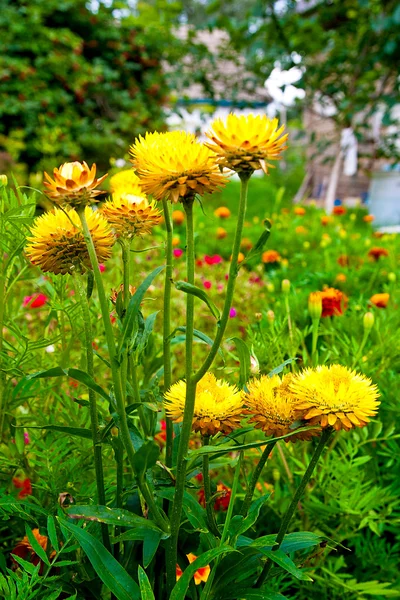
x: 26, y: 437
x: 177, y: 252
x: 207, y: 284
x: 35, y: 301
x: 102, y: 268
x: 232, y: 313
x: 213, y: 260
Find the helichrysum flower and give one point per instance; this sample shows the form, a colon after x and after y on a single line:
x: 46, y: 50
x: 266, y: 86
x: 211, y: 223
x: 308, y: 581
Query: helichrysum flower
x: 175, y: 166
x: 130, y: 216
x: 334, y: 302
x: 377, y: 252
x: 270, y: 256
x: 74, y: 183
x: 56, y: 243
x: 380, y: 300
x: 126, y: 182
x: 335, y: 396
x: 273, y: 408
x: 247, y: 142
x: 218, y: 405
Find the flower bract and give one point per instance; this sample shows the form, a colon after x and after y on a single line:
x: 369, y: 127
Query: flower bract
x: 74, y: 183
x: 131, y: 216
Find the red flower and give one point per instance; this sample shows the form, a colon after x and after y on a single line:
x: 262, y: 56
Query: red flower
x: 339, y: 210
x: 25, y: 551
x: 376, y: 252
x: 222, y: 499
x: 35, y: 301
x: 161, y: 437
x: 200, y: 575
x: 24, y: 485
x: 343, y: 260
x: 334, y: 302
x: 215, y: 259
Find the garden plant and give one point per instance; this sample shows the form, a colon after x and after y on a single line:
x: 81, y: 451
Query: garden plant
x: 189, y: 403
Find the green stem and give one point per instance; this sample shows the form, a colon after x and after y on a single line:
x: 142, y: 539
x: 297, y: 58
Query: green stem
x: 133, y: 380
x: 119, y: 459
x: 289, y: 319
x: 167, y: 329
x: 119, y: 395
x: 255, y: 477
x: 176, y: 509
x: 325, y: 436
x: 207, y: 491
x: 314, y: 355
x: 125, y: 301
x: 2, y: 372
x: 94, y: 421
x: 233, y: 272
x: 361, y: 347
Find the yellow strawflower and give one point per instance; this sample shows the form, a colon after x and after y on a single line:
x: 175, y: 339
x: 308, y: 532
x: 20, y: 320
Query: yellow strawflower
x: 57, y: 245
x: 126, y: 182
x: 175, y: 166
x: 130, y: 216
x: 247, y: 142
x: 273, y: 408
x: 218, y: 405
x: 73, y: 184
x: 335, y: 396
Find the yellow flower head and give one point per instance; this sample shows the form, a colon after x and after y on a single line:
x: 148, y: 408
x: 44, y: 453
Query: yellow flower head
x: 126, y: 182
x: 57, y: 244
x: 175, y: 166
x: 218, y: 405
x: 335, y: 396
x: 131, y: 216
x: 273, y: 407
x: 73, y: 184
x: 246, y: 142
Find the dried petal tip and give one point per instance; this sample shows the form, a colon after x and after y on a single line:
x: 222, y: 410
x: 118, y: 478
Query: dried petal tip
x: 74, y: 183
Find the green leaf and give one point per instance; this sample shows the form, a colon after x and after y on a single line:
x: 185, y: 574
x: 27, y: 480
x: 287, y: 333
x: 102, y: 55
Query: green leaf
x: 36, y: 547
x: 244, y: 359
x: 145, y: 458
x: 201, y: 561
x: 137, y: 534
x: 147, y: 330
x: 280, y: 367
x: 78, y: 431
x: 150, y: 545
x: 194, y: 512
x: 201, y: 336
x: 239, y: 524
x: 112, y: 574
x: 301, y: 540
x: 76, y: 374
x: 260, y: 243
x: 189, y: 288
x: 132, y: 311
x: 250, y: 594
x: 52, y: 533
x: 111, y: 516
x: 286, y: 563
x: 27, y: 566
x: 145, y: 587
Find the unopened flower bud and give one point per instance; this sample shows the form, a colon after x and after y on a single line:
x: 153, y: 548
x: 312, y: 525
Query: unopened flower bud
x: 315, y: 305
x: 270, y: 287
x: 368, y: 321
x: 276, y: 474
x: 271, y: 316
x: 3, y: 180
x: 285, y: 286
x: 258, y: 316
x: 392, y: 277
x: 254, y: 365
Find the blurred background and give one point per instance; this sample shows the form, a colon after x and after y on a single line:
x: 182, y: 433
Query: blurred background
x: 79, y: 80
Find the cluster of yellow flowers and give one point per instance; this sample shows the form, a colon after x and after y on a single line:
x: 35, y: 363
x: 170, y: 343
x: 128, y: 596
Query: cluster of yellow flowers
x: 173, y: 166
x: 333, y: 396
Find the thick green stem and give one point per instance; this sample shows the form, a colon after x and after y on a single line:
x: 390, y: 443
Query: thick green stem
x: 233, y: 271
x: 176, y: 509
x: 2, y: 372
x: 207, y: 491
x: 125, y: 301
x: 167, y: 329
x: 118, y: 390
x: 133, y: 380
x: 325, y: 436
x: 314, y: 355
x: 361, y: 347
x: 94, y: 421
x: 255, y: 477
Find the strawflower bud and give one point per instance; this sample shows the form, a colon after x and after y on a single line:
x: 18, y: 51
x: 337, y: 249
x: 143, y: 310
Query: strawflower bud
x: 392, y: 277
x: 258, y: 316
x: 285, y: 286
x: 315, y: 305
x: 368, y: 321
x: 271, y: 316
x: 3, y: 180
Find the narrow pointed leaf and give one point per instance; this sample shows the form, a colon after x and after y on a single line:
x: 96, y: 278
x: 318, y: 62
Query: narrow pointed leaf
x: 189, y: 288
x: 145, y: 587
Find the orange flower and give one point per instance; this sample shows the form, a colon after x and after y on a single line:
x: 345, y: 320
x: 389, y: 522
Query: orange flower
x: 25, y: 551
x: 334, y: 302
x: 200, y: 575
x: 325, y: 220
x: 222, y: 499
x: 73, y: 184
x: 222, y: 212
x: 246, y: 244
x: 376, y: 252
x: 24, y: 485
x: 380, y: 300
x: 270, y: 256
x: 343, y: 260
x: 241, y: 257
x: 176, y: 241
x: 301, y: 230
x: 341, y: 277
x: 178, y: 217
x: 368, y: 218
x: 300, y: 211
x: 221, y: 233
x: 339, y: 210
